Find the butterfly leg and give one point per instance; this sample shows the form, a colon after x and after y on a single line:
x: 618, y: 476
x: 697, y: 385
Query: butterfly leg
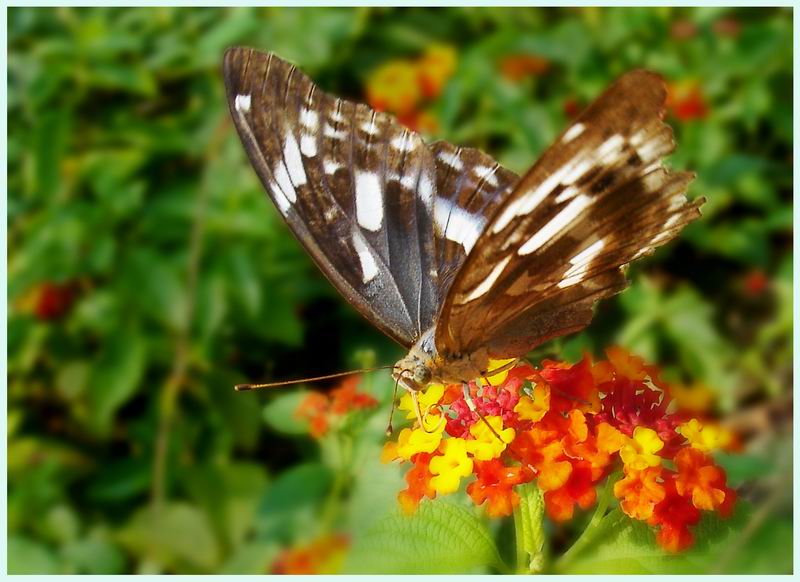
x: 474, y: 408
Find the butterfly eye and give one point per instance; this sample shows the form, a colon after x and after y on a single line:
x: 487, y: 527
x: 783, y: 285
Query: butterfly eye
x: 422, y: 374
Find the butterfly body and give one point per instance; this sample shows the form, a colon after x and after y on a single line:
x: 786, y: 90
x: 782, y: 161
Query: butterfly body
x: 456, y: 258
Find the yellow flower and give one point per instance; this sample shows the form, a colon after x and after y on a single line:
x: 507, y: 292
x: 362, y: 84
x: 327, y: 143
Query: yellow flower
x: 486, y: 445
x: 427, y: 398
x: 534, y: 408
x: 500, y: 377
x: 704, y: 438
x: 413, y: 441
x: 451, y: 466
x: 639, y: 452
x: 394, y: 87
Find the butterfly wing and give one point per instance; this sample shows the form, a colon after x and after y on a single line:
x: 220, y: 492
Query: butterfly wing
x: 360, y: 191
x: 596, y: 200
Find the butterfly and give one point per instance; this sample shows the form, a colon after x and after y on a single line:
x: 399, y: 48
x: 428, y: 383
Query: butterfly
x: 458, y: 259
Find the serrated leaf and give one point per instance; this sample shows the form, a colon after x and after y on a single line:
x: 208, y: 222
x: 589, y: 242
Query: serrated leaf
x: 440, y: 538
x: 627, y: 546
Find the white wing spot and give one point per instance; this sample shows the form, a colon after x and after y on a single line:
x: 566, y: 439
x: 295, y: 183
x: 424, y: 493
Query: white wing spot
x: 242, y: 103
x: 456, y: 224
x: 486, y: 173
x: 294, y: 163
x: 425, y: 188
x: 336, y: 116
x: 331, y: 132
x: 451, y: 159
x: 403, y: 143
x: 566, y: 194
x: 369, y: 201
x: 671, y: 220
x: 331, y: 166
x: 280, y: 198
x: 370, y: 127
x: 308, y: 145
x: 284, y: 183
x: 489, y: 281
x: 369, y: 267
x: 557, y: 224
x: 611, y: 146
x: 309, y: 118
x: 574, y: 131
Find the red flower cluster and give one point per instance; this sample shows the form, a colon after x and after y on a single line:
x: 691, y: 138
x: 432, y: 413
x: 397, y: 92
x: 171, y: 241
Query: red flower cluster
x: 321, y: 556
x: 403, y: 87
x: 320, y: 409
x: 568, y: 427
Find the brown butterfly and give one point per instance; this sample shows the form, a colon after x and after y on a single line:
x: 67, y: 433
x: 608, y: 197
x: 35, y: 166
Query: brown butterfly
x: 458, y: 259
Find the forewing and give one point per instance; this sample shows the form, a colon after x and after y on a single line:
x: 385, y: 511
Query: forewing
x: 387, y: 219
x: 596, y: 200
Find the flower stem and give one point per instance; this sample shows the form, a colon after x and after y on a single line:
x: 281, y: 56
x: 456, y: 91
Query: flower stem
x: 529, y: 530
x: 592, y: 528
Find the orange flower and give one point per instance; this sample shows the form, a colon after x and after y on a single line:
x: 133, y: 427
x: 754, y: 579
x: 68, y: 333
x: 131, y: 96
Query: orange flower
x: 571, y: 386
x: 673, y: 516
x: 435, y: 67
x: 345, y: 398
x: 579, y: 488
x: 393, y: 87
x: 419, y: 484
x: 639, y: 492
x: 517, y: 67
x: 495, y: 483
x: 314, y: 408
x: 699, y: 478
x: 322, y: 556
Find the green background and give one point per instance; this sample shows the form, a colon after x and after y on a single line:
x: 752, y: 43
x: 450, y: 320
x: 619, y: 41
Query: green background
x: 133, y: 210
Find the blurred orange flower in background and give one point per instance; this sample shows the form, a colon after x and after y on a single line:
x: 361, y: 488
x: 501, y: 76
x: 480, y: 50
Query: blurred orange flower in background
x: 321, y: 409
x: 517, y: 67
x: 324, y: 555
x: 405, y: 87
x: 686, y: 101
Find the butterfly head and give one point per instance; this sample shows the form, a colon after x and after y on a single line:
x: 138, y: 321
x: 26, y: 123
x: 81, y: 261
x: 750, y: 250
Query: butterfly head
x: 412, y: 373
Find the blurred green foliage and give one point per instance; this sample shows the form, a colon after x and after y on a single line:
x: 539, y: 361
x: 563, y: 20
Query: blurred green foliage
x: 148, y: 273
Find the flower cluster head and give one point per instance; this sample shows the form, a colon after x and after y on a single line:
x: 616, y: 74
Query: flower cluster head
x: 567, y: 427
x: 323, y: 555
x: 405, y: 86
x: 322, y: 410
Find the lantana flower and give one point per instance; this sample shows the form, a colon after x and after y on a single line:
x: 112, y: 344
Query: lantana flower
x: 566, y: 427
x: 321, y: 410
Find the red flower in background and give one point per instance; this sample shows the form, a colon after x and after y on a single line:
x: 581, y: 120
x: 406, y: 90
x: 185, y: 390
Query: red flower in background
x: 755, y: 283
x: 686, y: 101
x: 54, y: 300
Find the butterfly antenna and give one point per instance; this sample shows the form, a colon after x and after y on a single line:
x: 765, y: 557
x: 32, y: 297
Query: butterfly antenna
x: 247, y: 387
x: 415, y: 400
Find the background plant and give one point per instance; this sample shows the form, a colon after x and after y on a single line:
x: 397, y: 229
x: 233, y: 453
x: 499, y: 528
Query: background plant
x: 148, y: 273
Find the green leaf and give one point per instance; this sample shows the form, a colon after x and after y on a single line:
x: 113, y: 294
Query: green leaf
x: 626, y: 546
x: 115, y: 377
x: 26, y: 556
x: 175, y: 536
x: 291, y: 503
x: 279, y: 414
x: 529, y: 527
x: 440, y: 538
